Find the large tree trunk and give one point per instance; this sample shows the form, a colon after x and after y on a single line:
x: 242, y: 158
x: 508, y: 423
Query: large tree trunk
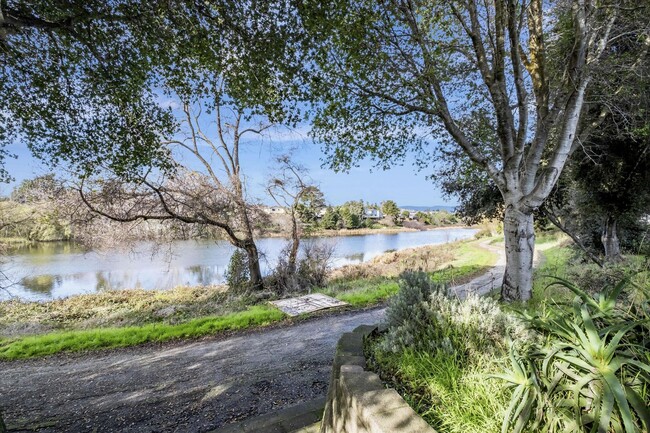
x: 520, y: 246
x: 254, y: 265
x: 3, y: 428
x: 610, y: 241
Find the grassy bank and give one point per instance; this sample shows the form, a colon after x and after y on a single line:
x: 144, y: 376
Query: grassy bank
x: 452, y: 360
x: 76, y: 341
x: 130, y: 317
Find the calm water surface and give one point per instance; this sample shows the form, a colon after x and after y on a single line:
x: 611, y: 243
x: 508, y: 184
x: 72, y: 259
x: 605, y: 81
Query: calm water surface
x: 56, y: 270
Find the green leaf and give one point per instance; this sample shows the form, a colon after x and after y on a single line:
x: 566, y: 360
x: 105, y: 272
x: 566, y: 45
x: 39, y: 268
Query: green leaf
x: 621, y: 400
x: 639, y: 406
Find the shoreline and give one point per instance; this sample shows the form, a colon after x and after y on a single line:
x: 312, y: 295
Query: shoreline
x: 367, y: 231
x: 17, y: 242
x: 133, y: 317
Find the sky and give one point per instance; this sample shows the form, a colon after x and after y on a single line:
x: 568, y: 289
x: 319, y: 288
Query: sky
x: 402, y: 184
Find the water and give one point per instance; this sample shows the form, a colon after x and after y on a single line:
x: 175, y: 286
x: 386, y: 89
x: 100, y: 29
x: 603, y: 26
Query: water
x: 57, y: 270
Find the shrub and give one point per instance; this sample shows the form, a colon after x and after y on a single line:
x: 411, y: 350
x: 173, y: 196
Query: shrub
x: 238, y: 275
x: 312, y: 267
x: 438, y: 349
x: 483, y: 233
x: 408, y: 316
x: 315, y: 264
x: 423, y: 317
x: 592, y: 374
x: 593, y: 278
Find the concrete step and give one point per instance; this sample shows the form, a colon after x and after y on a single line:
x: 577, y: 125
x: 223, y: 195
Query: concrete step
x: 301, y: 418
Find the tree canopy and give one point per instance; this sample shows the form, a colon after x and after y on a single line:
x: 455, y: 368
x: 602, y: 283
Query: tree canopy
x: 503, y: 82
x: 90, y: 83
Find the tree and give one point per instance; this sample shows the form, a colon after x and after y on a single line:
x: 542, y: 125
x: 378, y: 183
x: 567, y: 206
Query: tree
x: 393, y: 73
x: 605, y: 181
x: 349, y: 219
x: 212, y: 194
x: 351, y: 213
x: 330, y: 219
x: 77, y: 74
x: 311, y: 203
x: 604, y: 195
x: 87, y: 83
x: 389, y: 207
x: 291, y: 189
x: 93, y: 84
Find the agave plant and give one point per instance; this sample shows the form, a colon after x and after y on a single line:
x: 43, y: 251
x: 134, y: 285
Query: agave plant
x: 589, y: 376
x: 604, y: 303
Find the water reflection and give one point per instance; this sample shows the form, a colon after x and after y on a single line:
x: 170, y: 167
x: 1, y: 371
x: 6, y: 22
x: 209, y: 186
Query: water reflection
x: 358, y: 257
x: 203, y: 275
x: 41, y: 284
x: 55, y: 270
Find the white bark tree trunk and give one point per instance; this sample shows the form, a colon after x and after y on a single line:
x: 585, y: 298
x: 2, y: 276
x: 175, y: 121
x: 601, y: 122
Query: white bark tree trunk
x: 520, y: 245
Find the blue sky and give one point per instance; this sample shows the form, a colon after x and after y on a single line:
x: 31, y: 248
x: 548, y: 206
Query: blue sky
x: 402, y: 184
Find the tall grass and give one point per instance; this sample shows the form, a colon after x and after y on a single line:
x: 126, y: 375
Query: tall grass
x: 439, y: 351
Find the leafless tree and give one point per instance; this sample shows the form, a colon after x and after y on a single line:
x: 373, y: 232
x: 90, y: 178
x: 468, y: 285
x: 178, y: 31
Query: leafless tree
x: 208, y: 191
x: 288, y: 189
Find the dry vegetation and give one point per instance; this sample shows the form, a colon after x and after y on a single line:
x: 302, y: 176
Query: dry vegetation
x: 114, y: 308
x: 137, y: 307
x: 391, y: 264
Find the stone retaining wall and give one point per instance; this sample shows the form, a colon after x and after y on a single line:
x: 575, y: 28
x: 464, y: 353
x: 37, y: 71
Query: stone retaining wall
x: 357, y: 400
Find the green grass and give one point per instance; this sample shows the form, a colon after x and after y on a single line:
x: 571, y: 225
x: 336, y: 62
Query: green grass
x: 556, y: 262
x: 472, y: 402
x: 369, y: 295
x: 372, y: 291
x: 470, y: 253
x: 76, y: 341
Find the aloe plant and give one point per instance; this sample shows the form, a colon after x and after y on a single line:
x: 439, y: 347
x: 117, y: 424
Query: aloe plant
x: 591, y: 375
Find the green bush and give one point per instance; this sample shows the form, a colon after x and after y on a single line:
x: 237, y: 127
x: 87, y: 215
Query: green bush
x: 238, y: 274
x: 408, y: 316
x: 483, y: 233
x: 437, y: 350
x: 592, y: 373
x: 424, y: 317
x: 593, y: 278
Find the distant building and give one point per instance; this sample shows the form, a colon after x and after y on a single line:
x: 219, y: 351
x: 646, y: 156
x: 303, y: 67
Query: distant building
x: 410, y: 212
x: 373, y: 214
x: 274, y: 210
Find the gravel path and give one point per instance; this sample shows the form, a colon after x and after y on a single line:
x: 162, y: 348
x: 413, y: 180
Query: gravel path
x: 181, y: 387
x: 190, y: 387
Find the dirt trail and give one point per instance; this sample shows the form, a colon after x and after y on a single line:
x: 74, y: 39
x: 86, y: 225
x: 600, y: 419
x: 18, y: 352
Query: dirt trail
x: 190, y: 387
x: 179, y: 387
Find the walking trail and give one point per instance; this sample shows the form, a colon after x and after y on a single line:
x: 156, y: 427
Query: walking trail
x: 185, y: 386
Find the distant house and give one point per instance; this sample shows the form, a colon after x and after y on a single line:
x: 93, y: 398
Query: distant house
x: 373, y: 214
x: 274, y: 210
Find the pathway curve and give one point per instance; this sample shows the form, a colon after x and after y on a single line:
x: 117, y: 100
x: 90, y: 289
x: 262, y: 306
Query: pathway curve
x: 182, y: 387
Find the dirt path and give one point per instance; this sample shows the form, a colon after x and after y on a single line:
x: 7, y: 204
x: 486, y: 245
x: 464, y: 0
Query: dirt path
x: 191, y: 387
x: 182, y: 387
